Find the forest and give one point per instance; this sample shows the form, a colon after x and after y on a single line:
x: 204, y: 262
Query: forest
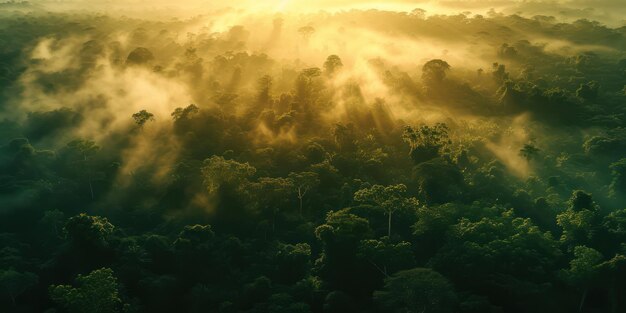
x: 332, y: 161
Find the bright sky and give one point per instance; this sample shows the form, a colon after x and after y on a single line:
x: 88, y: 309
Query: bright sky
x: 612, y: 12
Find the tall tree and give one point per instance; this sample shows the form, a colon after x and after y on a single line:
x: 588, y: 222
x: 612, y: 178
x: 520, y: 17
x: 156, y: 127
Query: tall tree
x: 142, y: 117
x: 583, y: 271
x: 303, y: 182
x: 332, y: 64
x: 434, y: 72
x: 306, y: 31
x: 82, y: 152
x: 389, y: 198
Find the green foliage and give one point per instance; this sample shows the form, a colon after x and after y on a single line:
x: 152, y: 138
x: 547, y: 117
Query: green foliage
x: 303, y: 182
x: 436, y: 219
x: 293, y: 262
x: 416, y: 290
x: 386, y: 256
x: 580, y: 201
x: 85, y: 230
x: 340, y: 236
x: 583, y: 269
x: 499, y: 245
x: 82, y: 148
x: 615, y: 223
x: 617, y: 188
x: 96, y: 292
x: 389, y: 198
x: 341, y: 226
x: 218, y: 171
x: 194, y: 236
x: 426, y: 142
x: 580, y: 221
x: 437, y: 181
x: 286, y: 186
x: 577, y: 226
x: 588, y: 91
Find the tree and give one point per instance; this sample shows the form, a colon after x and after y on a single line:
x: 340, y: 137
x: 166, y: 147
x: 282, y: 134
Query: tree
x: 273, y: 194
x: 304, y: 85
x: 292, y: 262
x: 529, y: 151
x: 306, y: 31
x: 418, y: 13
x: 338, y: 302
x: 386, y: 257
x: 615, y: 224
x: 583, y: 271
x: 218, y: 172
x: 499, y: 73
x: 415, y: 291
x: 588, y: 91
x: 618, y: 183
x: 142, y: 117
x: 332, y: 64
x: 344, y: 136
x: 432, y: 224
x: 264, y: 89
x: 434, y: 71
x: 197, y: 254
x: 580, y: 201
x: 498, y: 254
x: 613, y: 276
x: 87, y: 231
x: 230, y: 193
x: 426, y: 142
x: 580, y: 221
x: 578, y: 226
x: 96, y: 292
x: 194, y: 237
x: 389, y: 198
x: 13, y: 283
x: 437, y: 181
x: 340, y: 236
x: 82, y: 152
x: 303, y: 182
x: 507, y: 52
x: 185, y: 113
x: 139, y: 56
x: 258, y: 291
x: 53, y: 221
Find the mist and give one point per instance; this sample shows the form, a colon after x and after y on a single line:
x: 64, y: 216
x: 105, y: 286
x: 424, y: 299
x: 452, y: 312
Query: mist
x: 310, y: 145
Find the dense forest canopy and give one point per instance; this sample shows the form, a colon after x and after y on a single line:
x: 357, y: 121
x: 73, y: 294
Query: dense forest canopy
x: 279, y: 156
